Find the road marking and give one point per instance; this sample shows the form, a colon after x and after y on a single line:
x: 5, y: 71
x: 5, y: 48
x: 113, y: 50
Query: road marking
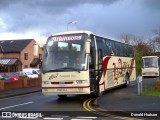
x: 86, y: 106
x: 20, y: 95
x: 15, y: 105
x: 48, y: 118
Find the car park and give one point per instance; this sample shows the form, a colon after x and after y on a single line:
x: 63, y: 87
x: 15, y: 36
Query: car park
x: 13, y: 76
x: 28, y: 74
x: 4, y: 76
x: 32, y: 70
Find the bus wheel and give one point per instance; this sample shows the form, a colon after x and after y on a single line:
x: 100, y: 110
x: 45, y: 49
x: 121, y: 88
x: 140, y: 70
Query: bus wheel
x: 127, y: 80
x: 62, y: 96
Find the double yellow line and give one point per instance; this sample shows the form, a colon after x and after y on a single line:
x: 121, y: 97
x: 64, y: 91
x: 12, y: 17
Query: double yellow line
x: 87, y: 107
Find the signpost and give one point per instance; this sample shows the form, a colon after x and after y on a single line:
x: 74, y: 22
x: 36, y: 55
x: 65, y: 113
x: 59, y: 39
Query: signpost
x: 139, y: 80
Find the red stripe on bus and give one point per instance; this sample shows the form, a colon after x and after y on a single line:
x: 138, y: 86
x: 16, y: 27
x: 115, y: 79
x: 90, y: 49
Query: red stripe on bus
x: 102, y: 83
x: 65, y: 87
x: 105, y: 65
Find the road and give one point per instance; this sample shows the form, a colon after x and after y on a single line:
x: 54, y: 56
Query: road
x: 40, y: 102
x: 51, y: 104
x: 73, y: 103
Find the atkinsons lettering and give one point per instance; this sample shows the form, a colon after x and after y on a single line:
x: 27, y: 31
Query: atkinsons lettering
x: 66, y: 38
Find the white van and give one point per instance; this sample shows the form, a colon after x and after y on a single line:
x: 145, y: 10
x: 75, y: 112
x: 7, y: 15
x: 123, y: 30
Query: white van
x: 32, y: 70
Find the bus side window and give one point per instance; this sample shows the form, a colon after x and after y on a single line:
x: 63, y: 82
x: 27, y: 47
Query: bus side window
x: 130, y: 51
x: 109, y: 50
x: 101, y: 45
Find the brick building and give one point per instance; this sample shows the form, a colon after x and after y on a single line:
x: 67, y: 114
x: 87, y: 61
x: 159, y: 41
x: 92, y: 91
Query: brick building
x: 18, y: 54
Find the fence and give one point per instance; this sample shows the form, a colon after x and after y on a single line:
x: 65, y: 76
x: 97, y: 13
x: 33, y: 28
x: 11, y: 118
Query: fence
x: 21, y: 83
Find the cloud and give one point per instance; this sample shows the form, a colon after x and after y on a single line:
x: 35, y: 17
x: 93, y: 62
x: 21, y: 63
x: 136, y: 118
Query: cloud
x: 23, y: 15
x: 104, y: 17
x: 151, y: 4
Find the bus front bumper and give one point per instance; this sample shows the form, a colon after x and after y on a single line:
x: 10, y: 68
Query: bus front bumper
x: 65, y: 90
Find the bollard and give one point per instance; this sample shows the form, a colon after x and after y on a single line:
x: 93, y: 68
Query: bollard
x: 139, y: 81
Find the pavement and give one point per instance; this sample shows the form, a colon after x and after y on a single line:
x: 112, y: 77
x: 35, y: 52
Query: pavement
x: 20, y: 91
x: 126, y: 101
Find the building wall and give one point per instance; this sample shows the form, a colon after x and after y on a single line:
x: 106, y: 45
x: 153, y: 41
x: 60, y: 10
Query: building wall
x: 29, y: 49
x: 1, y: 55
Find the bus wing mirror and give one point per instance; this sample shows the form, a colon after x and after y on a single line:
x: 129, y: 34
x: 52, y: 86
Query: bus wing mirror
x: 87, y: 44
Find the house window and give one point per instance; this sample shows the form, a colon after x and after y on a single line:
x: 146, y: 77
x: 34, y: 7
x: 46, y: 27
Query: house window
x: 25, y: 56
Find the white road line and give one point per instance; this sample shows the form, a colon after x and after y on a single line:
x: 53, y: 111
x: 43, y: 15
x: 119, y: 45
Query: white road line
x: 15, y: 105
x: 47, y: 118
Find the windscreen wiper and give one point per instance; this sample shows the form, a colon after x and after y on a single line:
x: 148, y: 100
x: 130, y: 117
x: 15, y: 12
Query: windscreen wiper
x: 69, y: 68
x: 61, y: 69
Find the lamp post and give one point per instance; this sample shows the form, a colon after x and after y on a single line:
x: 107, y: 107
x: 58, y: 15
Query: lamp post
x: 73, y: 22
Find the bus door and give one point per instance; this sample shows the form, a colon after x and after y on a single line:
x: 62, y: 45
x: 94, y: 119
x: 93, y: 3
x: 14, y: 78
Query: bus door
x: 92, y: 71
x: 95, y: 73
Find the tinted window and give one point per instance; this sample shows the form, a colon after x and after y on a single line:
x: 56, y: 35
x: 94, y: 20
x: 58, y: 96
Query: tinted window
x: 101, y: 45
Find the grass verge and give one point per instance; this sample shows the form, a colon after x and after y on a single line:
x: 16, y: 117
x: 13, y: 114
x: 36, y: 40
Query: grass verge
x: 151, y: 91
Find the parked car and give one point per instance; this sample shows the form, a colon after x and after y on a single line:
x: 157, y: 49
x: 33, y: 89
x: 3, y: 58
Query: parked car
x: 13, y: 76
x: 28, y: 74
x: 20, y: 73
x: 32, y: 70
x: 4, y: 76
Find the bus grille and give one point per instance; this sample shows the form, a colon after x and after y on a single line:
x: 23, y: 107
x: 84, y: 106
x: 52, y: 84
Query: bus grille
x: 61, y: 82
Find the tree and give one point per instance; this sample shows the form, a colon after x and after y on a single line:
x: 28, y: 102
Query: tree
x: 128, y: 38
x: 141, y: 48
x: 156, y: 40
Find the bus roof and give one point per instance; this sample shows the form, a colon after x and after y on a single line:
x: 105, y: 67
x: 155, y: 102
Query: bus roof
x: 87, y: 32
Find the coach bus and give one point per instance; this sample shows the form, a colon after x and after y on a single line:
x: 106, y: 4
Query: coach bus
x: 80, y: 62
x: 151, y: 66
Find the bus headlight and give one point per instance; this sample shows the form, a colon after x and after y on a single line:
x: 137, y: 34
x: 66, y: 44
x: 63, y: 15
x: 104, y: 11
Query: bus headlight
x: 45, y: 82
x: 81, y: 81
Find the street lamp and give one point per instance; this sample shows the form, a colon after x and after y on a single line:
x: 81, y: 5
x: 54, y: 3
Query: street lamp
x: 73, y: 22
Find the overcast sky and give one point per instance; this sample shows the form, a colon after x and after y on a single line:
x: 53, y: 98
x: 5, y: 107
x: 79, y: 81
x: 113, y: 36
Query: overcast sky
x: 38, y: 19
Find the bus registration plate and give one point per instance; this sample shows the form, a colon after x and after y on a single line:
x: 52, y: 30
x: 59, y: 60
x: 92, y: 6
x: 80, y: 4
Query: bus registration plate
x: 62, y: 90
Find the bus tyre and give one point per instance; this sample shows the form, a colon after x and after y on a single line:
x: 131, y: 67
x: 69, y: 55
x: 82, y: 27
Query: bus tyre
x: 127, y: 80
x: 62, y: 96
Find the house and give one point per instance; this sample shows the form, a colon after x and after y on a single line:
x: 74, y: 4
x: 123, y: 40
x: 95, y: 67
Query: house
x: 18, y: 54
